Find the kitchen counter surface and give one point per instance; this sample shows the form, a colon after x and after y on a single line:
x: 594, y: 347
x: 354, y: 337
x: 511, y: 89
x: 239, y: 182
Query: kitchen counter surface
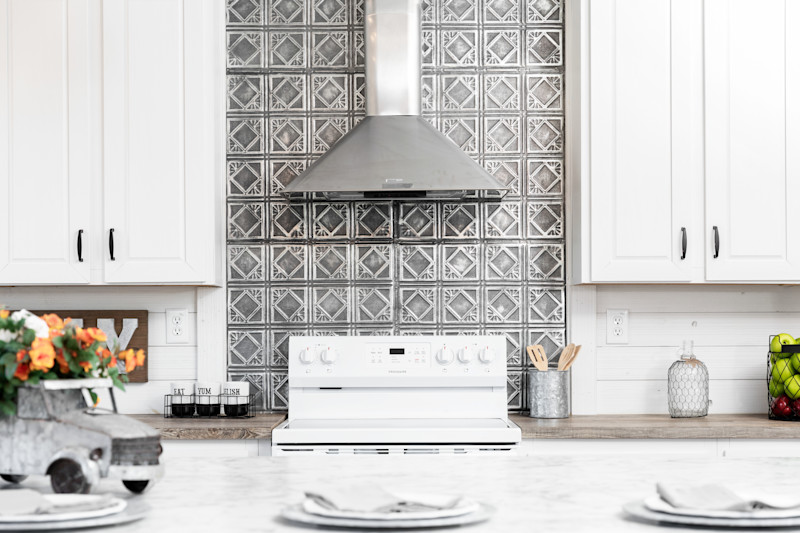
x: 753, y: 426
x: 557, y: 494
x: 257, y: 427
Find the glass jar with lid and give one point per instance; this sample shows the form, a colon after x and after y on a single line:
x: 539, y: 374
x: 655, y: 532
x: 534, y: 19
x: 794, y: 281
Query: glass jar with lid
x: 687, y: 385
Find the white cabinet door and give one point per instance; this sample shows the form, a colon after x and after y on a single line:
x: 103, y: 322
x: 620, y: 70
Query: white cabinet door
x: 161, y: 70
x: 45, y: 148
x: 752, y: 140
x: 646, y: 140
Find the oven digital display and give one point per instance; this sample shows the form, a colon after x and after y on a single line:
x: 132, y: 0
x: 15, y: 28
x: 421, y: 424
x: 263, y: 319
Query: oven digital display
x: 395, y: 358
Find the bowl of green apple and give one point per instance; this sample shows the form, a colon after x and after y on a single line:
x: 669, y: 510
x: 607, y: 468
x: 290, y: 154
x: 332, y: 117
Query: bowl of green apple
x: 783, y: 375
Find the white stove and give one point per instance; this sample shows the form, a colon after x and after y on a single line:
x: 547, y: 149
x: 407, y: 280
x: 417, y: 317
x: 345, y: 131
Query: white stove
x: 404, y: 395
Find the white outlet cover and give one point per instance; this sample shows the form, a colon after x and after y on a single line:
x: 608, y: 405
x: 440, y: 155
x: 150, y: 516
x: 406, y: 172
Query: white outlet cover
x: 616, y: 326
x: 177, y: 326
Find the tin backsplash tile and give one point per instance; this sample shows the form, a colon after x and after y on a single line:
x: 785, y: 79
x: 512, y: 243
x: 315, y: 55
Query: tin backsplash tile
x: 492, y: 81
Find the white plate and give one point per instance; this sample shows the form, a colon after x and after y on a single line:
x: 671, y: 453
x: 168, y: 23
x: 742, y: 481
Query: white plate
x: 464, y: 507
x: 655, y: 503
x: 136, y: 510
x: 114, y: 506
x: 296, y: 514
x: 638, y: 510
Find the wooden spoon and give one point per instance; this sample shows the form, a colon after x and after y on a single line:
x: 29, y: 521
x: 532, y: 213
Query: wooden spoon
x: 536, y: 354
x: 572, y: 357
x: 566, y: 353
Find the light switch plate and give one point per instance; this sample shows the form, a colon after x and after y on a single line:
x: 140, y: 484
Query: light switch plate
x: 177, y: 326
x: 617, y: 326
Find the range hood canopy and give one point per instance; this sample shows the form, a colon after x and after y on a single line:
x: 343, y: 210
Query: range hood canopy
x: 393, y: 152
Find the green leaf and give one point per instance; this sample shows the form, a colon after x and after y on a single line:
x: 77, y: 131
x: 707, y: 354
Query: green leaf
x: 58, y: 342
x: 7, y: 359
x: 118, y: 384
x: 94, y: 396
x: 28, y: 337
x: 8, y: 407
x: 33, y: 379
x: 50, y: 375
x: 10, y: 369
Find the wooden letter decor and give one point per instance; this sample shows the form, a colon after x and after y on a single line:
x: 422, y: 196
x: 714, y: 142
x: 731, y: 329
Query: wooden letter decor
x: 128, y: 328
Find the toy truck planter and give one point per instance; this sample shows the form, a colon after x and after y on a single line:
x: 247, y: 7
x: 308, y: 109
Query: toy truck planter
x: 55, y: 433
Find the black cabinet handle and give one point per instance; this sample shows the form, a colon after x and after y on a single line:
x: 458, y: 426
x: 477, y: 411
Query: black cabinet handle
x: 111, y: 244
x: 683, y: 244
x: 80, y: 246
x: 716, y: 242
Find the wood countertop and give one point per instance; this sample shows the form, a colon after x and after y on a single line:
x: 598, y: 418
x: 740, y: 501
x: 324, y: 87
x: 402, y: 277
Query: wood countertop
x: 750, y: 426
x: 257, y: 427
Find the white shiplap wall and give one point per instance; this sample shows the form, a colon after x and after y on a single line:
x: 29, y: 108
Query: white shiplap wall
x: 167, y: 362
x: 730, y: 326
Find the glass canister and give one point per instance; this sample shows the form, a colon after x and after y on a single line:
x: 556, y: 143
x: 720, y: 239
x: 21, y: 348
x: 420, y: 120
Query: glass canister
x: 687, y: 388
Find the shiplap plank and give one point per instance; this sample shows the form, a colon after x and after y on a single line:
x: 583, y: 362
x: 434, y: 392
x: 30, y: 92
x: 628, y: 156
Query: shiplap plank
x: 172, y: 363
x: 699, y: 298
x: 154, y: 299
x: 705, y: 329
x: 650, y: 396
x: 616, y: 363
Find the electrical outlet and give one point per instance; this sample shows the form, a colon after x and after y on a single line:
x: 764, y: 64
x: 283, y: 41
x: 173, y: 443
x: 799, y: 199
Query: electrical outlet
x: 177, y: 326
x: 617, y: 326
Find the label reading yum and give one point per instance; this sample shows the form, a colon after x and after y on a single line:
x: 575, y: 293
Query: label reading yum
x: 204, y: 390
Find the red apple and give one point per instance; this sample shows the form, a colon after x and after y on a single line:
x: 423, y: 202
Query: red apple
x: 795, y: 406
x: 781, y: 406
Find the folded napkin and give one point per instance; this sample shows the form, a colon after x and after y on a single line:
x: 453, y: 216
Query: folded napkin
x: 22, y: 502
x: 719, y: 498
x: 373, y: 499
x: 17, y: 502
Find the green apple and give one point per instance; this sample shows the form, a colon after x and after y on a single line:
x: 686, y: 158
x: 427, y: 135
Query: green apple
x: 795, y: 360
x: 775, y: 388
x: 775, y: 346
x: 773, y: 357
x: 792, y: 387
x: 782, y: 370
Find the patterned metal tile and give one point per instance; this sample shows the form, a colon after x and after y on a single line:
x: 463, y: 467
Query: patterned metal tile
x: 282, y: 172
x: 329, y: 92
x: 459, y: 48
x: 417, y: 221
x: 244, y: 49
x: 544, y: 11
x: 428, y: 49
x: 373, y: 220
x: 286, y: 92
x: 552, y: 340
x: 287, y: 135
x: 545, y: 135
x: 544, y: 47
x: 374, y: 332
x: 259, y: 387
x: 331, y: 262
x: 514, y: 388
x: 245, y: 93
x: 503, y: 220
x: 359, y: 50
x: 286, y: 11
x: 245, y: 136
x: 463, y: 131
x: 289, y: 262
x: 503, y: 262
x: 545, y: 92
x: 279, y: 345
x: 244, y: 12
x: 331, y: 221
x: 327, y: 131
x: 329, y: 12
x: 279, y: 390
x: 502, y: 134
x: 418, y: 306
x: 245, y: 178
x: 287, y: 49
x: 288, y: 221
x: 501, y: 48
x: 246, y: 306
x: 460, y: 221
x: 501, y: 92
x: 418, y: 263
x: 245, y: 220
x: 330, y: 49
x: 460, y: 262
x: 515, y: 346
x: 506, y: 171
x: 460, y: 306
x: 504, y: 305
x: 374, y: 304
x: 288, y: 305
x: 546, y: 262
x: 246, y: 263
x: 546, y: 219
x: 545, y: 177
x: 246, y: 347
x: 546, y: 305
x: 331, y: 304
x: 458, y: 11
x: 374, y: 261
x: 501, y: 11
x: 429, y: 93
x: 460, y: 93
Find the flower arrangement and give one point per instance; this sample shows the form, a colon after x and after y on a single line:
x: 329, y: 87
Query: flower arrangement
x: 34, y: 348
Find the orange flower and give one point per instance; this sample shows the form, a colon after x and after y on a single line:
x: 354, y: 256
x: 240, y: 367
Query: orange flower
x: 82, y: 336
x: 129, y: 358
x: 62, y: 362
x: 4, y: 313
x: 87, y: 366
x: 53, y: 321
x: 139, y: 357
x: 103, y: 353
x: 42, y: 354
x: 21, y: 355
x: 96, y: 334
x: 22, y: 372
x: 113, y: 362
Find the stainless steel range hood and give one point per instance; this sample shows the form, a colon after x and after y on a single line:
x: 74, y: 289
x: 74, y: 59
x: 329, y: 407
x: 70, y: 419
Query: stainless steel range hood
x: 393, y: 152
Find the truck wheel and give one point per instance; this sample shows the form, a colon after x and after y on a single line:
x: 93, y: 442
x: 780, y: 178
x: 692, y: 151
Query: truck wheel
x: 13, y: 478
x: 67, y: 477
x: 136, y: 486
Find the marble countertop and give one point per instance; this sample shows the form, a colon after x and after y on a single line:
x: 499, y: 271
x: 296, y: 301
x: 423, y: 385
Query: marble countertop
x: 755, y: 426
x: 554, y: 494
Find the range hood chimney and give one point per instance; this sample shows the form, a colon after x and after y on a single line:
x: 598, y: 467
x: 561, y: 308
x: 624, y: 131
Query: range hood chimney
x: 393, y: 153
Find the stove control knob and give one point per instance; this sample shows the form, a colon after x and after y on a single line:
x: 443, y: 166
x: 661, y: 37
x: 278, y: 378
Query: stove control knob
x: 306, y: 356
x: 486, y: 355
x: 329, y: 355
x: 444, y: 356
x: 465, y: 355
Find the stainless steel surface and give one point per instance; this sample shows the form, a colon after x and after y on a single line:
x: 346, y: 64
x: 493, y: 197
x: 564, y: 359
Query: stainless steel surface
x: 393, y: 153
x: 549, y: 393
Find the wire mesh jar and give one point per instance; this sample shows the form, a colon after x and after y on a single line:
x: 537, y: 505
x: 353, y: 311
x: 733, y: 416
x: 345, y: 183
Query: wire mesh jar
x: 687, y: 389
x: 783, y: 383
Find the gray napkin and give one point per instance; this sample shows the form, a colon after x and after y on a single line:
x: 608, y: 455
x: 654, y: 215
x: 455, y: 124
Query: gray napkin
x: 369, y: 498
x: 719, y: 498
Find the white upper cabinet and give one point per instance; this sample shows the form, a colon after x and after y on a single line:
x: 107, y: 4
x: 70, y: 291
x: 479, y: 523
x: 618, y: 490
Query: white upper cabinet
x: 45, y: 141
x: 646, y: 140
x: 690, y: 118
x: 752, y: 140
x: 111, y: 132
x: 160, y: 84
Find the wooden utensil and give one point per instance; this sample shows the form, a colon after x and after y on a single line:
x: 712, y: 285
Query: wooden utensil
x: 572, y: 357
x: 566, y: 353
x: 538, y: 357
